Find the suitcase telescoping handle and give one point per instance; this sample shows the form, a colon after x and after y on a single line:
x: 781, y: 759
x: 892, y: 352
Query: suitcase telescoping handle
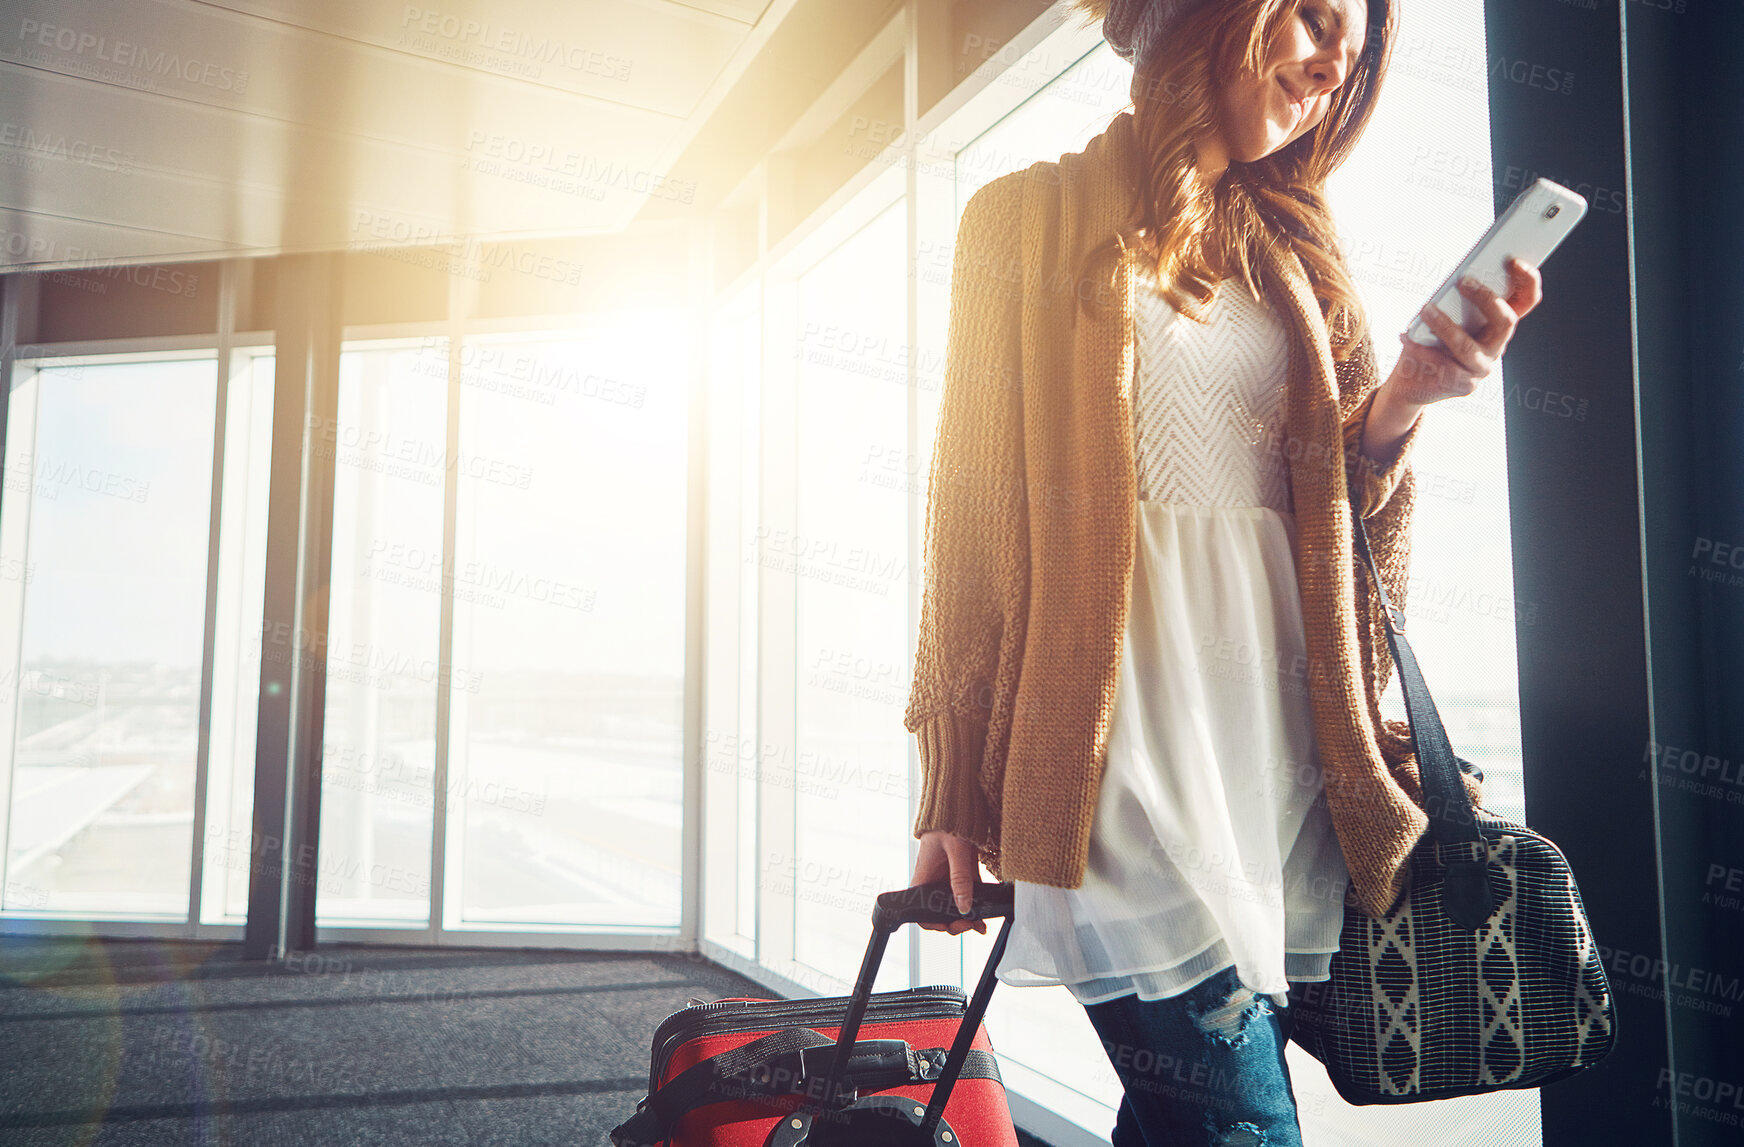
x: 657, y: 1115
x: 926, y: 904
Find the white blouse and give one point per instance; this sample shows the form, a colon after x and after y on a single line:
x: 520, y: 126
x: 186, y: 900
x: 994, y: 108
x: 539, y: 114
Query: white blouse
x: 1212, y: 845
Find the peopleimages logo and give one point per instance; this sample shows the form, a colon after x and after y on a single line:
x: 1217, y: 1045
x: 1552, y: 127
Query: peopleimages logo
x: 531, y: 154
x: 67, y: 148
x: 513, y: 43
x: 136, y: 58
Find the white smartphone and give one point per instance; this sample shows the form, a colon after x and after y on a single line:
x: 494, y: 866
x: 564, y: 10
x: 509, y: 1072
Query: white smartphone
x: 1530, y: 228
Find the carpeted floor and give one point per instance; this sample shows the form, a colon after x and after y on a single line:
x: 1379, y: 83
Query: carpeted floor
x: 172, y: 1042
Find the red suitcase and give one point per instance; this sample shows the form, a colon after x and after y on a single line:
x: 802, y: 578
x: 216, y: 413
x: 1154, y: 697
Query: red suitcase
x: 866, y: 1070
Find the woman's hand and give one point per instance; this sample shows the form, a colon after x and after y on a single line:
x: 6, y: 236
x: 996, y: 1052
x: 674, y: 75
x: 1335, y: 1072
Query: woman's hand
x: 1430, y: 374
x: 944, y: 856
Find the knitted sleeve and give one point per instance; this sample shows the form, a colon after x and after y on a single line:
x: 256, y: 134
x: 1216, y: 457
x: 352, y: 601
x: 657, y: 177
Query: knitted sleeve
x: 1358, y: 383
x: 976, y: 545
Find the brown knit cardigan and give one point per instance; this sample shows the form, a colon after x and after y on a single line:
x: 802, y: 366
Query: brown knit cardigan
x: 1030, y: 539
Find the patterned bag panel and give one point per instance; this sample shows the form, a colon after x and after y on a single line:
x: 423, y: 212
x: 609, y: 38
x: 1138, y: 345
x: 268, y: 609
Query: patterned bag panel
x: 1420, y: 1008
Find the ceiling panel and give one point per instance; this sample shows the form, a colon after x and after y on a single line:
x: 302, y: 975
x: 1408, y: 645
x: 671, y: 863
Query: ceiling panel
x: 76, y: 161
x: 213, y: 58
x: 32, y: 239
x: 746, y: 11
x: 650, y: 54
x: 161, y: 128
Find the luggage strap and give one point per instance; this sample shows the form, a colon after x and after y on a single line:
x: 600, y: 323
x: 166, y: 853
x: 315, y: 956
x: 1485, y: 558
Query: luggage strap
x: 779, y: 1064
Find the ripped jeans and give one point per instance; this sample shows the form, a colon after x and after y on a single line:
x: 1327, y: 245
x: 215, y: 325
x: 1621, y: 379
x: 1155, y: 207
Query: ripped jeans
x: 1203, y: 1067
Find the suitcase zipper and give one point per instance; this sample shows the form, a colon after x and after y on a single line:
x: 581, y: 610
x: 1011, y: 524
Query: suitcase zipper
x: 946, y: 1002
x: 782, y: 1008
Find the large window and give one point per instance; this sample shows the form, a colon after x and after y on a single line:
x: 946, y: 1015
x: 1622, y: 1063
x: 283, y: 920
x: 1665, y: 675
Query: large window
x: 564, y: 767
x: 378, y: 763
x: 849, y: 561
x: 104, y: 545
x: 108, y: 495
x: 563, y: 554
x: 805, y: 759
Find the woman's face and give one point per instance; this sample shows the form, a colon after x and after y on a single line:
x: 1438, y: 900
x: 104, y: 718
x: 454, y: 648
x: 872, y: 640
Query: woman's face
x: 1293, y: 91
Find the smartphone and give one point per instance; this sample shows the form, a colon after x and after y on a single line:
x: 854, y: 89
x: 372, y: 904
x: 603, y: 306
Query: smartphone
x: 1531, y: 227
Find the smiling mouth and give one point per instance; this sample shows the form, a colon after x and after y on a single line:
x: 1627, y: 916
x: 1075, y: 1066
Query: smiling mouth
x: 1300, y: 106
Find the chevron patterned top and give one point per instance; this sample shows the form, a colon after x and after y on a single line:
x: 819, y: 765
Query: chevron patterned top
x: 1210, y: 401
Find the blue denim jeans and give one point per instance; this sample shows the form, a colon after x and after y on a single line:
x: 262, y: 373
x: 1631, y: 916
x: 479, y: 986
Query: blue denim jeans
x: 1203, y: 1067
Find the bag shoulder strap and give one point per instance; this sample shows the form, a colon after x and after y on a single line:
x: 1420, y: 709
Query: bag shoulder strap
x: 1451, y: 816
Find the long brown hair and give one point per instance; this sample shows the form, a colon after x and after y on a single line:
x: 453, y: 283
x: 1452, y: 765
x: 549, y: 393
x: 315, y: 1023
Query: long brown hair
x: 1277, y: 198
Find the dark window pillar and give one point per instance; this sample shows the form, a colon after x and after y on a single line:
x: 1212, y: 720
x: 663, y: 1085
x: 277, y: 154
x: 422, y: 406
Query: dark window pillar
x: 1685, y: 101
x: 1556, y: 110
x: 284, y: 868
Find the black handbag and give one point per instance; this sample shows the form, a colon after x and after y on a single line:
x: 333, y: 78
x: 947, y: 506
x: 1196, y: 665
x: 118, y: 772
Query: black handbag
x: 1484, y: 975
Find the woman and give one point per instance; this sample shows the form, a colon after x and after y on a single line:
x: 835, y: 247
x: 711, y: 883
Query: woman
x: 1147, y: 684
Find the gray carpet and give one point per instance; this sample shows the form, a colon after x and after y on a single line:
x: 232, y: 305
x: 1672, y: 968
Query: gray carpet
x: 173, y: 1042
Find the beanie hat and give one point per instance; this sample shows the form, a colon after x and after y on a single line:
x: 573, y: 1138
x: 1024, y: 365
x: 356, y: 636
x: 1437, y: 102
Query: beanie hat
x: 1134, y: 28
